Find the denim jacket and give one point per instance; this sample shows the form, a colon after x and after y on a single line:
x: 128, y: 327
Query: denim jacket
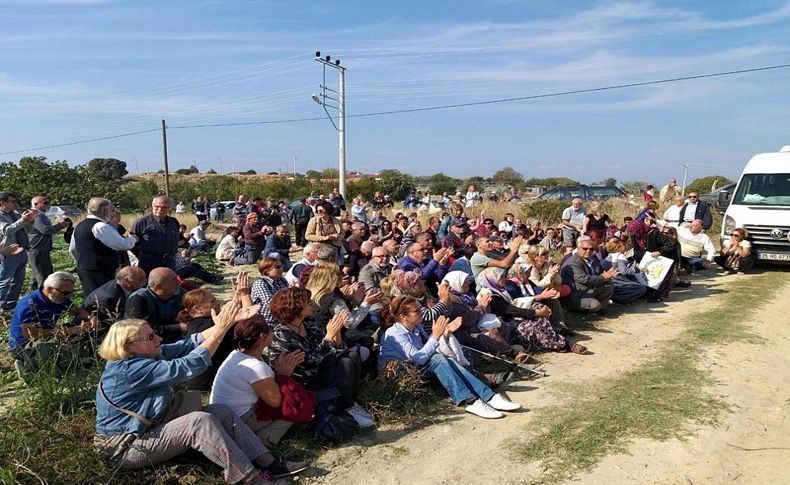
x: 142, y: 385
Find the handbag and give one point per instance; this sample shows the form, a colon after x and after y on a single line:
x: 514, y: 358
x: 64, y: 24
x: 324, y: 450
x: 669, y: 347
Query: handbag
x: 182, y: 403
x: 332, y: 422
x: 733, y: 261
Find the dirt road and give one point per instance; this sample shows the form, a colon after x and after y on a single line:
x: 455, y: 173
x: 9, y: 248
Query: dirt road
x: 750, y: 444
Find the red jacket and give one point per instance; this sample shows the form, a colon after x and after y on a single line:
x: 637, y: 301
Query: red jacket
x: 298, y: 403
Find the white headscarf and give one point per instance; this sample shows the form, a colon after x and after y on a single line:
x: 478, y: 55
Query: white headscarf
x: 456, y: 280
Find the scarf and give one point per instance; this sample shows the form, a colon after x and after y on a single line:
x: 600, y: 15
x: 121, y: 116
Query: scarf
x: 456, y: 280
x: 489, y: 278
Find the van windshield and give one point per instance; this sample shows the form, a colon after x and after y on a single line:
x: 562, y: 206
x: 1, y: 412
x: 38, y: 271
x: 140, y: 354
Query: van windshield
x: 763, y: 189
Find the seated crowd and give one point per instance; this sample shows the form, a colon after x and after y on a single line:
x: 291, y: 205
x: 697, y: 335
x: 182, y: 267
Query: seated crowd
x: 433, y: 293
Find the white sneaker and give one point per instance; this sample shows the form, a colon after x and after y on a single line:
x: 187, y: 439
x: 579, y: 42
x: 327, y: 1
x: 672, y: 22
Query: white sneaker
x: 500, y: 403
x: 479, y: 408
x: 363, y: 419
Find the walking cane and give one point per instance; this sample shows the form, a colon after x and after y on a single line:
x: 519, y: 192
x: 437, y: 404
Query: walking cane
x: 520, y: 366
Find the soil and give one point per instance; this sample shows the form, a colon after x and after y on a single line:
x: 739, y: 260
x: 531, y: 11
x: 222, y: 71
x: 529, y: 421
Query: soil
x: 751, y: 444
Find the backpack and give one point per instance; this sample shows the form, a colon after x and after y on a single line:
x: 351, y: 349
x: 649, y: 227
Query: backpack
x: 332, y: 422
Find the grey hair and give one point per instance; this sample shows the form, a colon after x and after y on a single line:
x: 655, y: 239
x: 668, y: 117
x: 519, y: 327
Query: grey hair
x: 310, y: 247
x: 532, y: 222
x: 58, y: 277
x: 326, y: 252
x: 100, y: 207
x: 357, y: 225
x: 368, y: 246
x: 162, y: 198
x: 281, y: 226
x: 582, y: 239
x: 126, y: 274
x: 411, y: 247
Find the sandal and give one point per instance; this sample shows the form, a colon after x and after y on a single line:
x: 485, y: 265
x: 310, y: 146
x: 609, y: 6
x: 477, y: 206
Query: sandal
x: 522, y: 358
x: 578, y: 349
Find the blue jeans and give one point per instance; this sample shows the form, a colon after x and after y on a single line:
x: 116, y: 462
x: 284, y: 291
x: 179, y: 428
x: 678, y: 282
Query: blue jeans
x: 697, y: 264
x: 459, y: 382
x: 12, y: 278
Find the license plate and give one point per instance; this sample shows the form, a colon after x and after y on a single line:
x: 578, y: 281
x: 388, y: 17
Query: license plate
x: 773, y: 256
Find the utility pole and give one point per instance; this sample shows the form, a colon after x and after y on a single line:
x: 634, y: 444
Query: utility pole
x: 341, y: 110
x: 219, y: 159
x: 294, y: 165
x: 685, y: 173
x: 164, y: 148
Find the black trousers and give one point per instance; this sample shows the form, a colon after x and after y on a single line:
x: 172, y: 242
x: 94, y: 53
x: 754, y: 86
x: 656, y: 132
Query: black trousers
x: 91, y: 279
x: 344, y: 374
x: 300, y: 227
x: 40, y: 266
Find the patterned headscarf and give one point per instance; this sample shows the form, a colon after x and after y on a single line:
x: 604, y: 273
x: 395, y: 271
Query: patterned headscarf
x: 489, y: 278
x: 456, y: 280
x: 409, y: 283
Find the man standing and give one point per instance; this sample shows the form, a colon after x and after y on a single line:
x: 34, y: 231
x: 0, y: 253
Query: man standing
x: 95, y: 245
x: 14, y: 229
x: 591, y: 287
x: 201, y: 209
x: 239, y: 211
x: 41, y: 241
x: 158, y: 234
x: 669, y: 191
x: 572, y: 221
x: 300, y: 216
x: 159, y: 304
x: 693, y: 210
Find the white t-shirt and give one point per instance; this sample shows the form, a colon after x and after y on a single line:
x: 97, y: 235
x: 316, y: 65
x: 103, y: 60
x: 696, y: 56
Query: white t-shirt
x: 233, y: 382
x: 225, y: 248
x: 198, y: 235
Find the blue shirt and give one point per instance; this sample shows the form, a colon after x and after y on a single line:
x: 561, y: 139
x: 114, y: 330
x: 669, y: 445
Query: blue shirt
x: 142, y: 385
x: 34, y: 308
x: 403, y: 346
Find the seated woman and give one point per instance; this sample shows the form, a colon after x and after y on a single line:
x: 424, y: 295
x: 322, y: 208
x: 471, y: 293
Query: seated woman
x: 327, y: 363
x: 198, y: 305
x: 626, y: 286
x: 647, y: 238
x: 405, y: 341
x: 469, y: 309
x: 245, y: 378
x: 736, y: 255
x: 533, y: 330
x: 136, y: 388
x: 226, y: 249
x: 409, y: 283
x: 529, y: 295
x: 272, y: 281
x: 325, y: 287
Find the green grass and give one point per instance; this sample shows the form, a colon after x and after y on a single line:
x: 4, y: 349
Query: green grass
x: 658, y: 400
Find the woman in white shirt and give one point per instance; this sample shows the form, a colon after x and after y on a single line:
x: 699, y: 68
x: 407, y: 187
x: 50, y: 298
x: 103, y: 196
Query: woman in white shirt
x: 245, y: 377
x: 472, y: 197
x: 736, y: 254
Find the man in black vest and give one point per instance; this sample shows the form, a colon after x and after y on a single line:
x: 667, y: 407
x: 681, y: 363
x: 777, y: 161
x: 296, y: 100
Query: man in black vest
x: 158, y: 234
x: 159, y: 304
x: 95, y: 245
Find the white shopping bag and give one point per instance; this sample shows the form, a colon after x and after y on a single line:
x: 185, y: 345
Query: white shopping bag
x: 654, y: 270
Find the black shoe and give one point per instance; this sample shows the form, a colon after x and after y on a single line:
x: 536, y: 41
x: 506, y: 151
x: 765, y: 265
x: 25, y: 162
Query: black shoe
x: 683, y: 284
x: 281, y: 467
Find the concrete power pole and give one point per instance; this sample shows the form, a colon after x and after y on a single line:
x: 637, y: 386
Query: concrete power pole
x: 341, y: 109
x: 164, y: 148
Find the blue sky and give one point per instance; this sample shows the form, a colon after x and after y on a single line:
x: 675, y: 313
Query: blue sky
x: 73, y: 70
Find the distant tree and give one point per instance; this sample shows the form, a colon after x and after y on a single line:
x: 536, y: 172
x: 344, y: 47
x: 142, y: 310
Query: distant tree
x: 475, y: 180
x: 249, y: 172
x: 211, y: 171
x: 550, y: 182
x: 313, y: 174
x: 395, y: 184
x: 508, y: 175
x: 193, y: 169
x: 705, y: 185
x: 183, y: 171
x: 440, y: 186
x: 330, y: 173
x: 608, y: 182
x: 107, y: 169
x: 57, y: 180
x: 635, y: 187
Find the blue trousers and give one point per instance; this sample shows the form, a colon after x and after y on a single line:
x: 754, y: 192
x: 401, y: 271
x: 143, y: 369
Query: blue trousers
x: 12, y: 278
x: 459, y: 382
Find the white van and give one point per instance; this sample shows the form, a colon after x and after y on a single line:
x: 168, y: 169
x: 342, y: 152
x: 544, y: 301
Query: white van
x: 761, y: 205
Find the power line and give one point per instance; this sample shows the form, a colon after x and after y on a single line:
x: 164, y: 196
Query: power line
x: 427, y: 108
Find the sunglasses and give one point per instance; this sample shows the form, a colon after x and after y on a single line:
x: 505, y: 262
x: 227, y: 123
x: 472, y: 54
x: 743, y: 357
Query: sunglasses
x: 585, y: 249
x: 693, y: 197
x: 735, y: 234
x: 64, y: 293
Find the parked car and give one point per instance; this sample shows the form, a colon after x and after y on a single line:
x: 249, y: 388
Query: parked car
x: 63, y: 211
x: 583, y: 192
x: 713, y: 198
x: 228, y: 207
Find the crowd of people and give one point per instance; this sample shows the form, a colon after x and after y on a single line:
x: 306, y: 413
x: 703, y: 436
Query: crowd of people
x: 374, y: 289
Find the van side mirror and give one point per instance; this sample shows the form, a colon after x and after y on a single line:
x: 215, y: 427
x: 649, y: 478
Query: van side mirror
x: 724, y: 199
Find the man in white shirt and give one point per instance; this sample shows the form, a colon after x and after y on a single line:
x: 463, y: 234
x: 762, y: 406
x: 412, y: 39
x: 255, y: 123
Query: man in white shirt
x: 198, y: 238
x: 693, y: 242
x: 95, y: 245
x: 572, y: 221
